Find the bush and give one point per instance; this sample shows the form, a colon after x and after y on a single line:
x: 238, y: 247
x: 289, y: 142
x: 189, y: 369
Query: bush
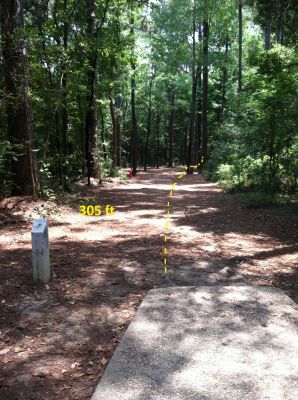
x: 256, y: 148
x: 245, y: 174
x: 227, y: 178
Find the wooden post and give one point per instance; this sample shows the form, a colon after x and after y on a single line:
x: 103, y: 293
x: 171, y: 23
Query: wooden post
x: 40, y: 251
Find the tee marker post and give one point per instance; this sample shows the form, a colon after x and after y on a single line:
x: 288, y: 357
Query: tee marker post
x: 40, y: 251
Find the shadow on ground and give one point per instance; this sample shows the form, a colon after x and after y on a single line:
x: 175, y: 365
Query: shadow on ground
x: 55, y: 341
x: 210, y: 342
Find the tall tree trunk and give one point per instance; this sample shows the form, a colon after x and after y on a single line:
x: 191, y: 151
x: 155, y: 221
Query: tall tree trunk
x: 114, y: 108
x: 171, y: 97
x: 157, y: 156
x: 280, y: 24
x: 64, y: 85
x: 134, y: 126
x: 240, y: 36
x: 54, y: 140
x: 58, y: 146
x: 59, y: 133
x: 19, y: 109
x: 114, y: 129
x: 148, y: 125
x: 118, y: 105
x: 224, y: 80
x: 91, y: 142
x: 268, y: 31
x: 124, y: 124
x: 82, y: 131
x: 198, y: 122
x: 118, y: 137
x: 102, y: 133
x: 205, y: 89
x: 185, y: 137
x: 190, y: 157
x: 91, y: 136
x: 198, y: 126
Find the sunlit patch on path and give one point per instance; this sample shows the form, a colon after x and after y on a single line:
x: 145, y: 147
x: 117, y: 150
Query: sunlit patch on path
x: 180, y: 176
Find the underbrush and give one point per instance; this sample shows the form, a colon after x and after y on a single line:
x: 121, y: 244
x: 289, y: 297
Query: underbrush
x: 53, y: 188
x: 109, y: 171
x: 263, y: 199
x: 256, y: 183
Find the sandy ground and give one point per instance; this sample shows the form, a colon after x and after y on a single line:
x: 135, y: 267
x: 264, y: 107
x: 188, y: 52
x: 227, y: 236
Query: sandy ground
x: 56, y: 339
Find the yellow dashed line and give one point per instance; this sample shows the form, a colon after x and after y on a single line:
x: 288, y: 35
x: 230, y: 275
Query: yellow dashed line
x: 168, y: 204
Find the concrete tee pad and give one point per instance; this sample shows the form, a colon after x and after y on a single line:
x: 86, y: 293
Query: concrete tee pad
x: 207, y: 343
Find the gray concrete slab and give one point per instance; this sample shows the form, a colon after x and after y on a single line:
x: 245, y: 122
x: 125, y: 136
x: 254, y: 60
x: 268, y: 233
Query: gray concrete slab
x: 207, y: 343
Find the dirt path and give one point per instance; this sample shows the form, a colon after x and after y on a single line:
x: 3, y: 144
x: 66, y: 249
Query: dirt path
x: 55, y: 341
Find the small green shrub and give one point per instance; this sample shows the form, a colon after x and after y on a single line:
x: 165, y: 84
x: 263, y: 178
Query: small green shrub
x: 48, y: 184
x: 227, y: 177
x: 121, y: 174
x: 107, y: 169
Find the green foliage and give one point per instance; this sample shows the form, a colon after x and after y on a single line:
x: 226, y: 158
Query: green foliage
x: 48, y: 184
x: 253, y: 134
x: 256, y: 148
x: 107, y: 168
x: 244, y: 174
x: 6, y: 179
x: 121, y: 174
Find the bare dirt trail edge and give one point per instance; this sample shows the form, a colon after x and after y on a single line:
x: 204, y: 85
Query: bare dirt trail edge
x: 55, y: 341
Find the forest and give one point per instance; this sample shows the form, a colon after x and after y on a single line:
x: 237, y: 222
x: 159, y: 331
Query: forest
x: 148, y: 199
x: 90, y: 87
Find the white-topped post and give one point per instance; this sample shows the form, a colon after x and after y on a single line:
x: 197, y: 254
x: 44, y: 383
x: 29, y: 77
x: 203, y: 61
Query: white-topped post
x: 40, y: 251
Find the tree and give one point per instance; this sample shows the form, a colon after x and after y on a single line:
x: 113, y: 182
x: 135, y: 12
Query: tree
x: 19, y: 111
x: 98, y: 57
x: 171, y: 118
x: 205, y: 87
x: 149, y: 122
x: 191, y: 145
x: 134, y: 126
x: 65, y: 119
x: 116, y: 128
x: 279, y: 17
x: 93, y: 29
x: 240, y: 35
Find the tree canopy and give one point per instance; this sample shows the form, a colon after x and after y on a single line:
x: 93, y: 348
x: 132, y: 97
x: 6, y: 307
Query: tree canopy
x: 91, y: 87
